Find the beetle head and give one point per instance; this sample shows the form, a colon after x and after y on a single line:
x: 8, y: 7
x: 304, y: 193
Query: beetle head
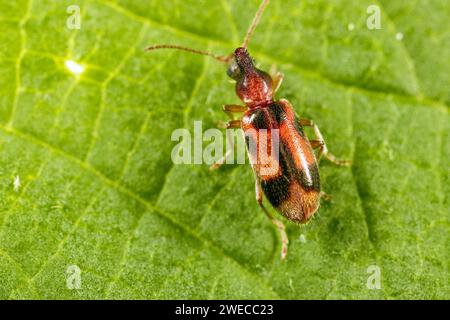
x: 253, y: 86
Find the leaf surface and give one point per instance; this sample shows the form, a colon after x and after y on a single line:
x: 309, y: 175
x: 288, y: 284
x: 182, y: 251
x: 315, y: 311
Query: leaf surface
x: 98, y: 189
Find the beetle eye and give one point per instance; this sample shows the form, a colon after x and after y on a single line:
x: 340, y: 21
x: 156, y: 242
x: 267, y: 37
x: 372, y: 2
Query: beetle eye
x: 233, y: 70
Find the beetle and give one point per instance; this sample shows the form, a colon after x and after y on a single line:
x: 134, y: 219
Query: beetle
x: 292, y: 185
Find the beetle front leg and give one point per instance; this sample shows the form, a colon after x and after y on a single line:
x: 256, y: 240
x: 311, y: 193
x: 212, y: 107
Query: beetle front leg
x: 280, y: 226
x: 319, y: 142
x: 230, y: 109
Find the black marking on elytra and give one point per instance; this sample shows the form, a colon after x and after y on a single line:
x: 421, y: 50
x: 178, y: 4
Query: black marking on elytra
x: 276, y: 110
x: 248, y: 138
x: 276, y: 190
x: 260, y: 120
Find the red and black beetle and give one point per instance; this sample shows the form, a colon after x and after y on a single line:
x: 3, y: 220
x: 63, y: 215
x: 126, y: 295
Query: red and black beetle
x: 293, y: 189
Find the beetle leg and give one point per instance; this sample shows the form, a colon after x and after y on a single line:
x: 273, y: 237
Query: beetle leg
x: 277, y: 78
x: 325, y: 196
x: 275, y: 222
x: 234, y: 124
x: 230, y: 147
x: 230, y: 144
x: 320, y: 143
x: 229, y: 109
x: 316, y: 144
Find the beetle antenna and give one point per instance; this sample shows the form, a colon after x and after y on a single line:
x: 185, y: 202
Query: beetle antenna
x: 223, y: 59
x: 255, y: 22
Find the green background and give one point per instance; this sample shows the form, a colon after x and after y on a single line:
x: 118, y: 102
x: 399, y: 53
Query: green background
x: 99, y: 191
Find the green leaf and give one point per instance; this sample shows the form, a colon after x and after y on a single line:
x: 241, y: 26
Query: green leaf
x: 98, y: 189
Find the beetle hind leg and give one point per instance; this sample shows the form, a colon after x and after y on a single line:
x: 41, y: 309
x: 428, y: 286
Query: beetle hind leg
x: 277, y: 223
x: 319, y: 143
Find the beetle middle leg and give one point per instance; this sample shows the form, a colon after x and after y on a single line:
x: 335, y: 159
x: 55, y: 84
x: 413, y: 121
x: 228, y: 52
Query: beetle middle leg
x: 277, y: 223
x: 319, y: 143
x: 230, y: 110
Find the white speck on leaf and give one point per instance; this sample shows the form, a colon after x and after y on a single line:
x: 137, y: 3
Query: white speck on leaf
x: 302, y: 238
x: 351, y: 27
x: 74, y: 67
x: 16, y: 183
x: 399, y: 36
